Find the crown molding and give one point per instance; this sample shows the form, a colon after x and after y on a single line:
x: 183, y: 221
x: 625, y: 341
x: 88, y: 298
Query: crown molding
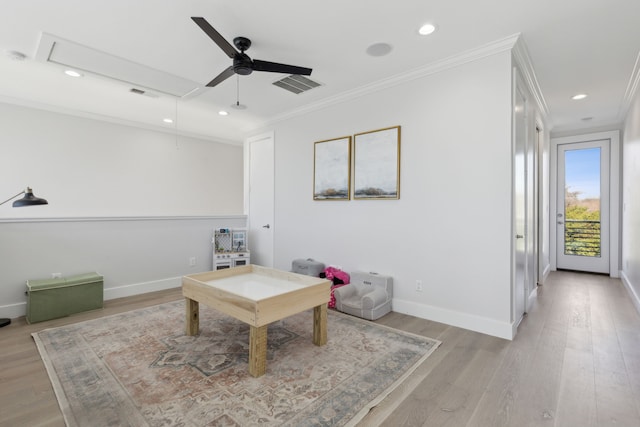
x: 109, y: 119
x: 472, y: 55
x: 632, y: 89
x: 523, y: 60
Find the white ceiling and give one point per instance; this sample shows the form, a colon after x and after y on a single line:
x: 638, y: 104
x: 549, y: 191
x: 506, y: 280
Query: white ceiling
x: 575, y: 46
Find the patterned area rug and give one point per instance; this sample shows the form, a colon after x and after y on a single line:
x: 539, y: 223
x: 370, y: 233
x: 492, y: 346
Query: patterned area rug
x: 140, y: 369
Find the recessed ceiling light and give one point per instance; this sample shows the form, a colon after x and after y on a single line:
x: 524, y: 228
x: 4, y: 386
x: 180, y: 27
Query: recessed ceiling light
x: 426, y: 29
x: 72, y: 73
x: 379, y: 49
x: 167, y: 120
x: 223, y: 113
x: 579, y: 96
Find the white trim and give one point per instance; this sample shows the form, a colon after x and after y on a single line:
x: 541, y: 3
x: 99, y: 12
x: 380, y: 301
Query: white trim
x: 523, y: 60
x: 109, y: 119
x: 545, y: 274
x: 632, y: 88
x: 533, y: 296
x: 16, y: 310
x: 459, y: 319
x: 484, y: 51
x: 635, y: 298
x: 142, y: 288
x: 13, y: 311
x: 614, y: 194
x: 122, y: 218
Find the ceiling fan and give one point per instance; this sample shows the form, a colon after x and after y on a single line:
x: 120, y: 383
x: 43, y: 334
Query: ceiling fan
x: 242, y: 64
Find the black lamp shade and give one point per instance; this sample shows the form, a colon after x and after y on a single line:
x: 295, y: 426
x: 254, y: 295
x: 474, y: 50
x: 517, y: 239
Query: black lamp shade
x: 29, y: 200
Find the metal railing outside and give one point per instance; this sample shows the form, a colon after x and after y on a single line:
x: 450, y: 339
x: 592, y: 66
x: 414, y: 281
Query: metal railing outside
x: 582, y: 237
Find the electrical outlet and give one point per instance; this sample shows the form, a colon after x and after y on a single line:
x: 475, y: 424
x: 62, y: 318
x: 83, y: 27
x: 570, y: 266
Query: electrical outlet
x: 192, y: 261
x: 418, y: 285
x: 56, y: 275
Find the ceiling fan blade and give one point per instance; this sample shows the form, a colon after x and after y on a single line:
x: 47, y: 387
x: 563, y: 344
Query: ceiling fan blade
x: 216, y: 37
x: 274, y: 67
x: 221, y: 77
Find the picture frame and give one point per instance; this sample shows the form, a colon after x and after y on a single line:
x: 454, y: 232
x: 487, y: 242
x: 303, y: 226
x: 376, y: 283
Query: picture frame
x: 377, y: 164
x: 332, y: 169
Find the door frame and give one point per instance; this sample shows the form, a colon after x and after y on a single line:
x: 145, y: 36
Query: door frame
x: 531, y: 177
x: 614, y: 194
x: 601, y: 263
x: 520, y: 223
x: 267, y: 136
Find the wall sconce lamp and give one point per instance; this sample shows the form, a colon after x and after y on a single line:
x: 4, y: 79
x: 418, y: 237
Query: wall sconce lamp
x: 28, y: 200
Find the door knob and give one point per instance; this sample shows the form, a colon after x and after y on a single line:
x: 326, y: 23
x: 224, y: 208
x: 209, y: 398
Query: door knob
x: 266, y: 226
x: 560, y: 222
x: 519, y: 236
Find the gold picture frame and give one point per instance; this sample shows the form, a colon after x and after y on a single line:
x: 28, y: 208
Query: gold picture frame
x: 377, y: 164
x: 332, y: 169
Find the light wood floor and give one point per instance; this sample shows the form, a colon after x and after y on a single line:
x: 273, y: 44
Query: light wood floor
x: 575, y: 362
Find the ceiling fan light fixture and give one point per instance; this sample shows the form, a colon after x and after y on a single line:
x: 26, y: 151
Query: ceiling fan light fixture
x: 426, y: 29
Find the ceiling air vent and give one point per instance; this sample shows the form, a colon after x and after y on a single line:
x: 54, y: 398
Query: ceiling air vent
x: 296, y: 84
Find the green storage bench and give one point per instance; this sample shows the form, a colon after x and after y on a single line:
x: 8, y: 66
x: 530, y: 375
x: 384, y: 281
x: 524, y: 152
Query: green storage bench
x: 53, y: 298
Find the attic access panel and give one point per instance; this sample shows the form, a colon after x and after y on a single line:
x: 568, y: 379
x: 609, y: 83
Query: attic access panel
x: 69, y: 54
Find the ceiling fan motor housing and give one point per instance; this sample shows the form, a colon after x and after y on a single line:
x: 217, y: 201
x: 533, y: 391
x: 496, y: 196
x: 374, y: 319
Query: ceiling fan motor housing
x: 242, y: 64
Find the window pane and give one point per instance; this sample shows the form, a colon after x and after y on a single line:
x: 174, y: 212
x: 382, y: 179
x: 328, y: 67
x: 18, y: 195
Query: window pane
x: 582, y: 202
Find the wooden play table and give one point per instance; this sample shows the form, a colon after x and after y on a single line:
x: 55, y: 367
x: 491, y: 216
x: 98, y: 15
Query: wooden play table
x: 257, y: 296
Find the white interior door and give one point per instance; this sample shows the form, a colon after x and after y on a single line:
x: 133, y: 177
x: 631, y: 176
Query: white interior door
x: 261, y: 199
x: 520, y: 204
x: 582, y: 207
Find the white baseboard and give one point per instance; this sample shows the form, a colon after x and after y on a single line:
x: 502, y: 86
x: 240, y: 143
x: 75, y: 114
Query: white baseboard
x: 545, y: 274
x: 455, y: 318
x: 142, y: 288
x: 533, y: 296
x: 635, y: 298
x: 13, y: 311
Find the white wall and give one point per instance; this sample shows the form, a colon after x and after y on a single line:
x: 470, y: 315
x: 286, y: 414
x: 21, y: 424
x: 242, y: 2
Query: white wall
x: 631, y: 201
x: 88, y: 168
x: 135, y: 255
x: 451, y: 227
x: 131, y: 204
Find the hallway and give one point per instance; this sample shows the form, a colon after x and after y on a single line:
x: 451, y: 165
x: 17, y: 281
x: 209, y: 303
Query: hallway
x: 574, y: 362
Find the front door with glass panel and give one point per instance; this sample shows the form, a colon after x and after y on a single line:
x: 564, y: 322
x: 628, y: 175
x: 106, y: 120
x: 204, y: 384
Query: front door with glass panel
x: 582, y: 217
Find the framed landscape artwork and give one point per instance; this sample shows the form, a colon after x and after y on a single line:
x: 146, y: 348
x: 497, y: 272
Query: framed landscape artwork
x: 377, y: 164
x: 332, y: 169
